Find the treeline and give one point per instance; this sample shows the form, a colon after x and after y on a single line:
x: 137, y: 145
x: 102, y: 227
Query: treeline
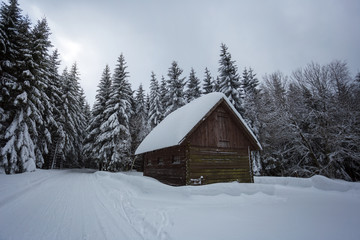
x: 308, y: 122
x: 121, y: 120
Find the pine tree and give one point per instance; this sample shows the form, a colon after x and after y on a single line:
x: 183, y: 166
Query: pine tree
x: 92, y: 144
x: 147, y: 108
x: 251, y: 105
x: 251, y: 97
x: 84, y: 117
x: 164, y: 97
x: 229, y: 79
x: 73, y: 119
x: 40, y: 44
x: 155, y: 107
x: 208, y: 85
x: 249, y: 82
x: 193, y: 87
x: 176, y: 84
x: 79, y: 116
x: 54, y: 93
x: 139, y: 124
x: 217, y: 84
x: 115, y: 131
x: 357, y: 78
x: 2, y: 41
x: 18, y: 124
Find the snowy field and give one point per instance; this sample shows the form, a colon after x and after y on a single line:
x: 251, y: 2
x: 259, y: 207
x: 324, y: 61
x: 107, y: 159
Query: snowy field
x: 83, y: 204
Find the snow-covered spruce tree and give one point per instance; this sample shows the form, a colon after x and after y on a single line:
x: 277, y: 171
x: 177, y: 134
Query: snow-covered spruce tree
x: 229, y: 79
x: 251, y: 105
x: 175, y: 95
x: 9, y: 21
x: 147, y: 105
x: 193, y: 87
x: 139, y: 122
x: 86, y: 112
x: 80, y: 117
x: 67, y: 122
x: 19, y: 116
x: 217, y: 84
x: 73, y: 117
x: 92, y: 144
x: 84, y: 118
x: 249, y: 82
x: 155, y: 108
x: 54, y: 93
x: 3, y: 115
x: 208, y: 82
x: 251, y: 98
x: 164, y: 97
x: 357, y: 77
x: 40, y: 67
x: 115, y: 131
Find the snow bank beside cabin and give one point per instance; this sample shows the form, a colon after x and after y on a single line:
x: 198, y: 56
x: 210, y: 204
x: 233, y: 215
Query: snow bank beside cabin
x: 318, y: 182
x: 84, y: 204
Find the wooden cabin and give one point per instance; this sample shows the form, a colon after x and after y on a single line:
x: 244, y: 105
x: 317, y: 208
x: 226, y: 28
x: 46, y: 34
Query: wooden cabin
x: 205, y: 141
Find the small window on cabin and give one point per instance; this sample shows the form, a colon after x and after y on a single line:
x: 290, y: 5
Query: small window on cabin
x: 160, y: 161
x: 175, y: 159
x: 224, y: 143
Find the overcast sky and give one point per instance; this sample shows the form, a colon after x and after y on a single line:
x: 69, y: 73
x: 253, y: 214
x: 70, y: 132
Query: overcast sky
x: 265, y: 35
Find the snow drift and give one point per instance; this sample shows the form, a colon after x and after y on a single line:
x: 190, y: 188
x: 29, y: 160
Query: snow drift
x: 83, y: 204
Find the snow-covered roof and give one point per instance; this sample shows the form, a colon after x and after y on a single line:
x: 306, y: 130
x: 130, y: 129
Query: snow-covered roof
x: 174, y: 128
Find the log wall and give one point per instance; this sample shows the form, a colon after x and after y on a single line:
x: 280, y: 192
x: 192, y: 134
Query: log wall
x: 168, y: 165
x: 216, y: 150
x: 211, y: 165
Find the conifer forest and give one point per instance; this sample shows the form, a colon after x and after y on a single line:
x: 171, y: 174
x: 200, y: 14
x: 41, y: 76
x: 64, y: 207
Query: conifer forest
x: 308, y: 122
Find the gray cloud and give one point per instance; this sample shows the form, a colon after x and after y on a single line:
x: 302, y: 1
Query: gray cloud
x: 266, y: 35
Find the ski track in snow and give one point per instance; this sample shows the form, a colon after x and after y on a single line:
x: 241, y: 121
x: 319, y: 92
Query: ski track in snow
x: 88, y: 205
x: 29, y: 186
x: 83, y: 206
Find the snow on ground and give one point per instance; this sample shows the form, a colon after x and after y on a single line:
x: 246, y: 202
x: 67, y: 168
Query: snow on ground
x: 83, y: 204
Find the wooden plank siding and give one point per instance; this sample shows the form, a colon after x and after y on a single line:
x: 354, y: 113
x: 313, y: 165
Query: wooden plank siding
x: 220, y: 129
x: 217, y: 165
x: 168, y: 165
x: 219, y: 150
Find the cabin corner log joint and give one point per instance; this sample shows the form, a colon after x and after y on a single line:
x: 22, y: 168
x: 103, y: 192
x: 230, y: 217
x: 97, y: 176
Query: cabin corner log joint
x: 212, y: 146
